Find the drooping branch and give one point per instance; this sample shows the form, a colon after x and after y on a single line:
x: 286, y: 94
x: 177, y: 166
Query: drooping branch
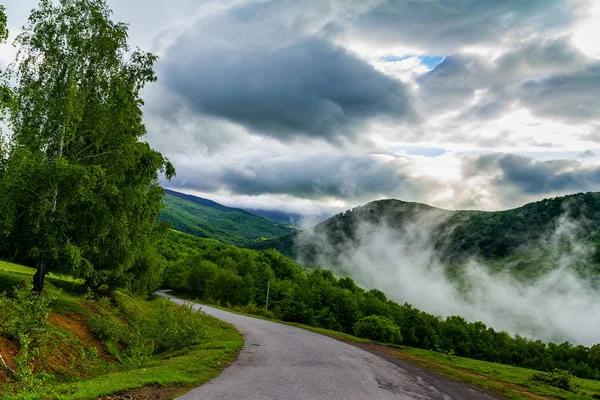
x: 8, y: 369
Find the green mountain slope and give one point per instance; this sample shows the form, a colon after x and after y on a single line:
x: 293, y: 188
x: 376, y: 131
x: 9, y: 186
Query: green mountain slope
x: 518, y: 234
x: 208, y: 219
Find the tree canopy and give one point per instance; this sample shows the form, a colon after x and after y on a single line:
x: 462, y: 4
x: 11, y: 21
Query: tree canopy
x: 3, y: 30
x: 227, y: 275
x: 80, y: 189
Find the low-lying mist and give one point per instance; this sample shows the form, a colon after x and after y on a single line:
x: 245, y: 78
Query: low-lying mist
x: 558, y: 305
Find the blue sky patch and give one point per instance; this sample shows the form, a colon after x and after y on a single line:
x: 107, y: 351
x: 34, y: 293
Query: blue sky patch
x: 430, y: 60
x: 419, y: 151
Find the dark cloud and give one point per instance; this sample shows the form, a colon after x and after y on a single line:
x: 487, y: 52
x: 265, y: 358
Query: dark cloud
x: 530, y: 177
x: 586, y: 154
x: 442, y: 26
x: 310, y: 88
x: 454, y: 81
x: 541, y: 55
x: 315, y: 176
x: 570, y: 97
x: 548, y: 76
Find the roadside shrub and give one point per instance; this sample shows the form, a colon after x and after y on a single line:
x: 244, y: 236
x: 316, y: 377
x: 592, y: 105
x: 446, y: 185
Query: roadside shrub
x: 133, y: 339
x: 169, y: 326
x: 253, y: 309
x: 25, y: 314
x: 109, y: 327
x: 24, y: 318
x: 558, y: 378
x: 378, y: 328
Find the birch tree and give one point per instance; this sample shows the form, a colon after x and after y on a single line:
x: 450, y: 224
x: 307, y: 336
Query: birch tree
x: 80, y: 188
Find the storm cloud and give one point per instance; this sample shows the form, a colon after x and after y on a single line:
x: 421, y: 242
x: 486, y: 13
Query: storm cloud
x: 320, y: 104
x: 531, y: 177
x: 313, y: 176
x: 310, y: 88
x: 572, y: 97
x: 444, y: 26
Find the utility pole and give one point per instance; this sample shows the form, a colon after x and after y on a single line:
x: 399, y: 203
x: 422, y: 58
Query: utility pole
x: 268, y: 287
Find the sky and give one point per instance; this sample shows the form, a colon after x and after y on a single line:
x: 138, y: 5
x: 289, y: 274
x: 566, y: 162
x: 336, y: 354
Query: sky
x: 319, y: 106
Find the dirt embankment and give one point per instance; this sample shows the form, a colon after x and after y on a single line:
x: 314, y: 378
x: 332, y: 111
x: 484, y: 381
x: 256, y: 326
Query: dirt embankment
x: 61, y: 352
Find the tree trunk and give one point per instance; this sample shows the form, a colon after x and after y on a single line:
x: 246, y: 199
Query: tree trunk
x: 38, y: 278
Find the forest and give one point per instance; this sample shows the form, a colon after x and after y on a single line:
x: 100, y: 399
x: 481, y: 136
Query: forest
x: 231, y: 276
x: 493, y: 237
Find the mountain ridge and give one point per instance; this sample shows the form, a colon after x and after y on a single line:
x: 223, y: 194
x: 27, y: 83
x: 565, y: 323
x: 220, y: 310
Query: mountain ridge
x: 208, y: 219
x: 459, y: 234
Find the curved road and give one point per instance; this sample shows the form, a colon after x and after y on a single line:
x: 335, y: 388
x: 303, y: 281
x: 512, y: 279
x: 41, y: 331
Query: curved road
x: 281, y: 362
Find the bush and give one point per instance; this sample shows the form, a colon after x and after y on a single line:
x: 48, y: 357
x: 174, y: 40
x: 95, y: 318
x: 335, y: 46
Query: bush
x: 378, y: 328
x: 26, y: 313
x: 109, y: 327
x: 253, y: 309
x: 164, y: 326
x: 557, y: 378
x: 169, y: 326
x: 24, y: 318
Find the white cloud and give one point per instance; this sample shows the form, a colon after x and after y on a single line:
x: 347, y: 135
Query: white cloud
x: 498, y: 89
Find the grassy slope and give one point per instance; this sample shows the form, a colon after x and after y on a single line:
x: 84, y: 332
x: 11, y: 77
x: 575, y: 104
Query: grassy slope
x: 203, y: 218
x: 184, y: 369
x: 505, y: 380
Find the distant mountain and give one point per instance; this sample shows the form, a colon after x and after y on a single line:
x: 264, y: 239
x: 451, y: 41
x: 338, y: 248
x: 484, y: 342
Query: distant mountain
x: 456, y: 236
x: 280, y: 217
x: 287, y: 218
x: 208, y: 219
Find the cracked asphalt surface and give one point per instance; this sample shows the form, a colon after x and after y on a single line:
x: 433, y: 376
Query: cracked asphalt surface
x: 287, y: 363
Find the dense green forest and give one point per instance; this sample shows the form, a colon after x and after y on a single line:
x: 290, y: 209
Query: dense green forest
x: 206, y: 218
x: 455, y: 235
x: 231, y: 276
x: 281, y: 217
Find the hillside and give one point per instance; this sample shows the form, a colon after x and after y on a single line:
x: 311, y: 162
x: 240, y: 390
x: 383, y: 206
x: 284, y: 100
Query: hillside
x: 208, y: 219
x: 455, y: 235
x: 69, y: 343
x: 280, y: 217
x: 288, y: 218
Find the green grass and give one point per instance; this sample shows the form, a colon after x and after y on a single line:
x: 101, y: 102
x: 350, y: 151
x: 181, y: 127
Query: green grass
x: 206, y: 219
x: 182, y: 370
x: 185, y: 369
x: 512, y: 382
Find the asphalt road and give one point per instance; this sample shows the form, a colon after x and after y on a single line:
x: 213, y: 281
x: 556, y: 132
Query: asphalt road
x: 281, y: 362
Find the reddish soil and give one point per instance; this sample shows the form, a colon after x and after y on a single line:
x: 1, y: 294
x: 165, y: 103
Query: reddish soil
x: 76, y: 324
x: 149, y: 393
x: 8, y: 350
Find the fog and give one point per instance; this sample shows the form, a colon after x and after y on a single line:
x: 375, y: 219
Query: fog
x: 557, y: 306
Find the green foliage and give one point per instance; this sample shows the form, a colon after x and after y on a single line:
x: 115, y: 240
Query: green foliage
x: 254, y: 310
x: 24, y: 314
x: 594, y: 356
x: 378, y: 328
x: 3, y: 30
x: 109, y: 326
x: 227, y: 287
x: 134, y: 336
x: 557, y: 378
x: 83, y: 371
x: 207, y: 219
x: 80, y: 190
x: 489, y: 236
x: 172, y: 327
x: 227, y: 274
x: 24, y: 319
